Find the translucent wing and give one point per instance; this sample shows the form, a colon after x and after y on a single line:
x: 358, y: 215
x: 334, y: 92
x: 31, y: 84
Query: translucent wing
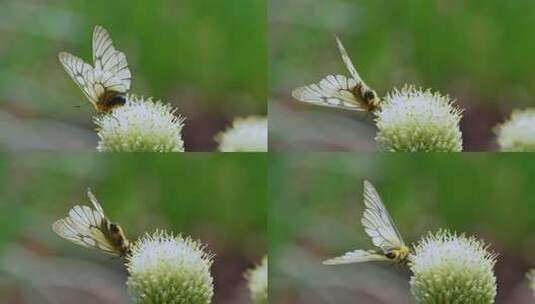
x: 86, y: 227
x: 81, y: 73
x: 366, y: 93
x: 347, y: 61
x: 332, y: 91
x: 357, y: 256
x: 95, y: 203
x: 110, y: 64
x: 377, y: 222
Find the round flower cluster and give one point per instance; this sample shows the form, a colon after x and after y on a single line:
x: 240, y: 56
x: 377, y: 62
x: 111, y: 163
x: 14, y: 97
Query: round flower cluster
x: 517, y: 134
x: 413, y: 120
x: 257, y: 281
x: 169, y: 269
x: 140, y: 126
x: 450, y: 268
x: 246, y: 135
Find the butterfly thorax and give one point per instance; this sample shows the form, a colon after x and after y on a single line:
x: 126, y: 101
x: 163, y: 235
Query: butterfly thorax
x: 398, y: 255
x: 117, y: 238
x: 367, y: 96
x: 110, y: 100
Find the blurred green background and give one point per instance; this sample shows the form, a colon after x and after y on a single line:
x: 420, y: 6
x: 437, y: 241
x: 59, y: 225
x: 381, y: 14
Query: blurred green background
x: 316, y: 205
x: 220, y: 200
x: 205, y: 57
x: 479, y: 52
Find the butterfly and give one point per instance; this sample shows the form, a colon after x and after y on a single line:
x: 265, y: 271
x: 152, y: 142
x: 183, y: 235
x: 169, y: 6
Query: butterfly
x: 340, y: 91
x: 379, y: 226
x: 105, y: 84
x: 89, y: 227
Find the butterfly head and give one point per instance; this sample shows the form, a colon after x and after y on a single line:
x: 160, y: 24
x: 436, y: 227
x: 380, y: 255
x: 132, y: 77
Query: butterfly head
x: 115, y: 229
x: 398, y: 255
x: 370, y: 98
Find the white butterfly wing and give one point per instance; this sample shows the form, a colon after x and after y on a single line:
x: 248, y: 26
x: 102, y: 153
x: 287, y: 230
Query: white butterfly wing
x: 110, y: 62
x: 332, y: 91
x: 81, y: 73
x: 95, y: 203
x: 123, y: 72
x: 347, y: 61
x: 357, y: 256
x: 366, y: 93
x: 83, y: 226
x: 377, y: 221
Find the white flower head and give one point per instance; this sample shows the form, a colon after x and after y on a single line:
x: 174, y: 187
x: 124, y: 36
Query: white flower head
x: 140, y: 126
x: 451, y: 268
x: 169, y: 269
x: 518, y: 132
x: 531, y: 281
x: 414, y: 120
x: 257, y: 281
x: 246, y: 135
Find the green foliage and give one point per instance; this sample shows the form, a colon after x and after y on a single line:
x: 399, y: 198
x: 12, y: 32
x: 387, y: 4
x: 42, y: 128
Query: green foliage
x: 206, y: 196
x: 316, y: 208
x: 437, y: 44
x: 422, y: 192
x: 212, y: 51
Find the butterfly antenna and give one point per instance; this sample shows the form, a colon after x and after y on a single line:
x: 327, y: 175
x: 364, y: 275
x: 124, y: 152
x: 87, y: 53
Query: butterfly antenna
x: 79, y: 106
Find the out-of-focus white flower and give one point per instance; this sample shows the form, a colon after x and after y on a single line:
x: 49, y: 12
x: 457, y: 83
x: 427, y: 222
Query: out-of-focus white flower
x: 246, y: 135
x: 169, y: 269
x: 517, y: 134
x: 257, y: 281
x: 531, y: 281
x: 450, y: 268
x: 140, y: 126
x: 414, y: 120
